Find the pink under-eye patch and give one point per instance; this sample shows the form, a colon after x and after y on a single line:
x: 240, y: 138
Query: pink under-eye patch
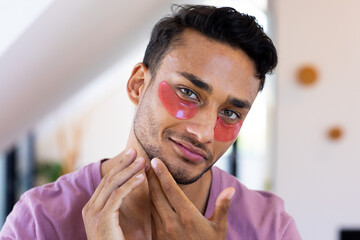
x: 226, y: 132
x: 176, y: 106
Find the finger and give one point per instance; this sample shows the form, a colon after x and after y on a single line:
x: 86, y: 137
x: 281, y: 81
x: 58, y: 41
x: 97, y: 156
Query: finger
x: 111, y: 183
x: 153, y: 228
x: 124, y: 160
x: 222, y: 206
x: 158, y: 197
x: 156, y: 216
x: 117, y: 196
x: 156, y: 223
x: 174, y: 194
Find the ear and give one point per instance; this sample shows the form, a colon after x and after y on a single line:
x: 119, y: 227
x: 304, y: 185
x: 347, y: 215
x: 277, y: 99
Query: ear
x: 139, y: 79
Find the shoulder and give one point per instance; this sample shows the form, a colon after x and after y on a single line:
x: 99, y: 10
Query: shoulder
x: 78, y: 185
x: 50, y: 207
x: 222, y: 180
x: 84, y: 181
x: 259, y: 214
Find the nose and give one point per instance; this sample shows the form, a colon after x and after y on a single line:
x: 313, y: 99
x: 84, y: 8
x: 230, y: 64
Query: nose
x: 202, y: 127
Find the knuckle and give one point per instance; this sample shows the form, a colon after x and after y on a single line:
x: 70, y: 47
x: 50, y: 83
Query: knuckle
x: 169, y: 227
x: 85, y: 210
x: 154, y: 196
x: 117, y: 195
x: 107, y: 180
x: 222, y: 228
x: 84, y: 213
x: 166, y: 187
x: 184, y: 218
x: 224, y: 208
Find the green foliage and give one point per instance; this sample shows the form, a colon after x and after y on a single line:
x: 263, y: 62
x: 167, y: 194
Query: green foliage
x: 50, y: 171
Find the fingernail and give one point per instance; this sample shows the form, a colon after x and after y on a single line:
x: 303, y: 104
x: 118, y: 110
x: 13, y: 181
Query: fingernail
x: 138, y: 160
x: 131, y: 150
x: 154, y: 163
x: 139, y: 177
x: 230, y: 196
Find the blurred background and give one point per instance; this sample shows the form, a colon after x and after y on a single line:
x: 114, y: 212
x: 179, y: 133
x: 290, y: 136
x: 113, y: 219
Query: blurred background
x: 63, y: 104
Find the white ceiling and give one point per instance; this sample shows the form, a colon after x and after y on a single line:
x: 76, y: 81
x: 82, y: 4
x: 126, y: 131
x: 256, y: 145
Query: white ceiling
x: 61, y: 50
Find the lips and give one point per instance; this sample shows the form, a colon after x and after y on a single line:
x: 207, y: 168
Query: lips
x: 189, y: 151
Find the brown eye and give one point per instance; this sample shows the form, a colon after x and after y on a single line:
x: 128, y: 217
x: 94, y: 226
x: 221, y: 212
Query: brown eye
x: 188, y: 93
x: 230, y: 115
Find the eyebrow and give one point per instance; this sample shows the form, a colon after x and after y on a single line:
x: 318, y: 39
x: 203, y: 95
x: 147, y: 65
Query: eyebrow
x: 239, y: 103
x: 196, y: 81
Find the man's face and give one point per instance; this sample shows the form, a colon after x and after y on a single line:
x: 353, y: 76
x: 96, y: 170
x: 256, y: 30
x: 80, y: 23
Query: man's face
x: 218, y: 81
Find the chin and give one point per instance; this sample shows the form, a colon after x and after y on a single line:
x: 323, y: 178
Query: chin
x: 185, y: 175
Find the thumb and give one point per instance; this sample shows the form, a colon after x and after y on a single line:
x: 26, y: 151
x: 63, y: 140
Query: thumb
x: 222, y: 206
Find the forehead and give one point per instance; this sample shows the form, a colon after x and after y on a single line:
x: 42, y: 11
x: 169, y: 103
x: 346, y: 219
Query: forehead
x: 229, y: 71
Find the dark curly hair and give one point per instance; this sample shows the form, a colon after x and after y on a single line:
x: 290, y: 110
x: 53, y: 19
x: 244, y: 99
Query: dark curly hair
x: 224, y: 25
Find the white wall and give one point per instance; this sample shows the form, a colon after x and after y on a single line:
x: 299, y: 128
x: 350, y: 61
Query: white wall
x: 318, y: 178
x: 101, y: 111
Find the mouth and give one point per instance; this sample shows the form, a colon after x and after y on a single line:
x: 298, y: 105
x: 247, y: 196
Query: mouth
x: 190, y: 152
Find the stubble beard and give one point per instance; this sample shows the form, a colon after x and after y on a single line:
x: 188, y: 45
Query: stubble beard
x: 146, y: 130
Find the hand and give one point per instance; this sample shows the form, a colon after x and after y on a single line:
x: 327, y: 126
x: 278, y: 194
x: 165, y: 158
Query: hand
x: 173, y: 214
x: 101, y: 213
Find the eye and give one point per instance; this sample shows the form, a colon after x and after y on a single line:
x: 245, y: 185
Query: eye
x: 189, y: 94
x: 230, y: 116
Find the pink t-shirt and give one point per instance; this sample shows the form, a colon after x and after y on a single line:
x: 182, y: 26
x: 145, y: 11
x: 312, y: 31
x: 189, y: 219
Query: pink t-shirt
x: 53, y: 211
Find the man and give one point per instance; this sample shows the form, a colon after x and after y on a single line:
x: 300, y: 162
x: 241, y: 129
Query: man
x: 202, y: 70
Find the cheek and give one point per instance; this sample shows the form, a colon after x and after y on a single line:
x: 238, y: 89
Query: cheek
x: 176, y: 106
x: 224, y: 132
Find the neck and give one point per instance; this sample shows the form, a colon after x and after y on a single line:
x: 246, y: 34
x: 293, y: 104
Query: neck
x: 198, y: 192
